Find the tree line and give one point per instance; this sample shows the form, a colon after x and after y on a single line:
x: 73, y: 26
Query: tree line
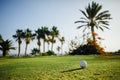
x: 43, y: 35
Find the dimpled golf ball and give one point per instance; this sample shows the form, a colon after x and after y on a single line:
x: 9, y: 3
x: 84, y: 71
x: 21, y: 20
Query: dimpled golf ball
x: 83, y: 64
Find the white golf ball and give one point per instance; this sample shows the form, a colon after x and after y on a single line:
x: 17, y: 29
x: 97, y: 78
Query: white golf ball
x: 83, y: 64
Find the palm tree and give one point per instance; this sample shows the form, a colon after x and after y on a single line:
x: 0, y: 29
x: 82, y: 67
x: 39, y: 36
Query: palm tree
x: 54, y: 34
x: 28, y: 36
x: 93, y: 18
x: 18, y: 36
x: 44, y: 32
x: 41, y: 34
x: 62, y: 40
x: 38, y: 35
x: 6, y: 46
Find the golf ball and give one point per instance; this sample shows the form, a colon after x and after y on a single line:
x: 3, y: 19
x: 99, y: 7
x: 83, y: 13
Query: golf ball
x: 83, y: 64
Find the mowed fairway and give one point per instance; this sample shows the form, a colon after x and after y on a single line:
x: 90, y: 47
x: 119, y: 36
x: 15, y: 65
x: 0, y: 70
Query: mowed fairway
x: 60, y: 68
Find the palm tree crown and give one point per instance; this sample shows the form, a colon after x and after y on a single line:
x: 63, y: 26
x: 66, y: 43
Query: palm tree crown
x: 5, y: 46
x: 93, y: 18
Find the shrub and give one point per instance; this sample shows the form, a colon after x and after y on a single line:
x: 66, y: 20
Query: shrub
x: 89, y: 48
x: 44, y: 54
x: 34, y: 51
x: 49, y: 53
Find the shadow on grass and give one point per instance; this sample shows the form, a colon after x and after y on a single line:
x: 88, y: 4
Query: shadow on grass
x: 70, y: 70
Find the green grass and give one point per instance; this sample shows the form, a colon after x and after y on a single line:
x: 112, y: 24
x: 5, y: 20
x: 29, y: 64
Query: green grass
x: 60, y: 68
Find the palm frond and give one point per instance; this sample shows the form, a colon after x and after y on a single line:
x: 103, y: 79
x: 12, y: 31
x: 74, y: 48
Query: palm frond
x: 83, y: 18
x: 88, y: 12
x: 104, y: 17
x: 84, y: 29
x: 101, y: 13
x: 80, y: 26
x: 13, y: 48
x: 106, y: 27
x: 84, y: 13
x: 96, y: 25
x: 81, y: 21
x: 103, y: 22
x: 95, y: 8
x: 101, y: 28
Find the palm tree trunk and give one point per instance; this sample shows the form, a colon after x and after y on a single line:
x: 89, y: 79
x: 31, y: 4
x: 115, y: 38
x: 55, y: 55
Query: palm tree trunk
x: 4, y: 53
x: 52, y: 47
x: 48, y: 46
x: 44, y: 46
x: 39, y: 48
x: 92, y: 32
x: 61, y: 48
x: 26, y: 49
x: 19, y: 44
x: 39, y: 44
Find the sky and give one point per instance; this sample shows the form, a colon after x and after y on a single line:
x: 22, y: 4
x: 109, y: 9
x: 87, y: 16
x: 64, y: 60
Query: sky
x: 23, y: 14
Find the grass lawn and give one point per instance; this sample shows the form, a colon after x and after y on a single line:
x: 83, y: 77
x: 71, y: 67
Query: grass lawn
x: 60, y: 68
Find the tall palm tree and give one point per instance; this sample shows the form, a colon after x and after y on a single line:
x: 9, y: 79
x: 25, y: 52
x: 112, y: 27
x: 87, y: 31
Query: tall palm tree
x: 28, y: 36
x: 41, y: 34
x: 18, y: 36
x: 62, y: 40
x: 44, y: 32
x: 93, y: 18
x: 54, y: 34
x: 6, y: 46
x: 38, y: 35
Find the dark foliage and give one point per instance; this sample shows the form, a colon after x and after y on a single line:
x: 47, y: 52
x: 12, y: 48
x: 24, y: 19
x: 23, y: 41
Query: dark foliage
x: 34, y: 51
x: 85, y: 50
x: 49, y: 53
x: 90, y: 48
